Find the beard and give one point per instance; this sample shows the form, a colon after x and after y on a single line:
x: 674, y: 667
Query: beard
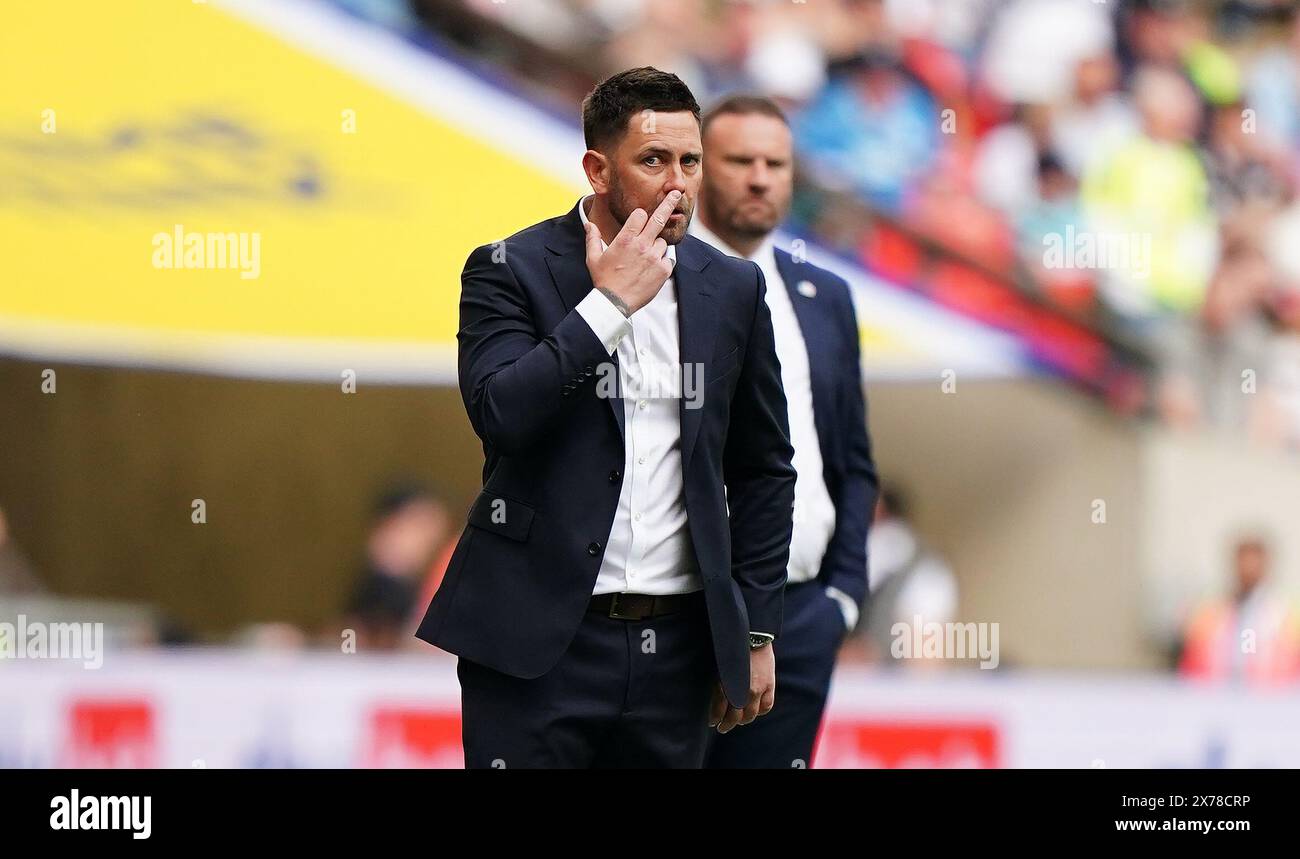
x: 622, y: 207
x: 752, y: 217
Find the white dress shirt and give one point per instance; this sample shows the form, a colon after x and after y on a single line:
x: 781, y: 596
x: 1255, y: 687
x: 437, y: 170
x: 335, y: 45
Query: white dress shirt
x: 649, y: 548
x: 814, y: 511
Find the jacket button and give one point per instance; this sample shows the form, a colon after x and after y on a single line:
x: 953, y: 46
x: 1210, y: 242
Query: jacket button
x: 615, y: 475
x: 593, y: 549
x: 588, y: 370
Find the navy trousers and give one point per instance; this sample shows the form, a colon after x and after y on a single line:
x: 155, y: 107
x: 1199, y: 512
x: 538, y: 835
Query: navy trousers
x: 627, y: 693
x: 811, y: 632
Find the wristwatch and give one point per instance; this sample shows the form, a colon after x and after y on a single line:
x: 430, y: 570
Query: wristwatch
x: 758, y: 639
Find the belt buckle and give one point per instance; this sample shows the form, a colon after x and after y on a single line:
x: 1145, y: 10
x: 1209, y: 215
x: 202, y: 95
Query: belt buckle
x: 615, y: 612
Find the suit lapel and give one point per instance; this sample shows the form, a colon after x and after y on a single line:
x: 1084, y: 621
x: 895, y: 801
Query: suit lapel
x: 803, y: 309
x: 567, y: 263
x: 806, y: 309
x: 697, y: 324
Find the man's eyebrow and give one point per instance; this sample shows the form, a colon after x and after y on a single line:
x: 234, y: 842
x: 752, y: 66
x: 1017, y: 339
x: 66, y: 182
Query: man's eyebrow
x: 660, y: 149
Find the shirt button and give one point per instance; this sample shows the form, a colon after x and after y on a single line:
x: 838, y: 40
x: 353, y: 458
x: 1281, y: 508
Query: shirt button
x: 593, y: 549
x: 615, y: 475
x: 641, y: 405
x: 640, y: 460
x: 637, y: 517
x: 641, y: 352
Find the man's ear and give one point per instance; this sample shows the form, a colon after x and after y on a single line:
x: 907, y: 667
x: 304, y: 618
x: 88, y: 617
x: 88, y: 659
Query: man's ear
x: 596, y: 166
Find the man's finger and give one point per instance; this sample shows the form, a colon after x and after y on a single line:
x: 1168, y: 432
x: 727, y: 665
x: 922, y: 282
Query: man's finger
x: 634, y: 224
x: 768, y: 701
x: 659, y: 220
x: 731, y: 720
x: 751, y: 710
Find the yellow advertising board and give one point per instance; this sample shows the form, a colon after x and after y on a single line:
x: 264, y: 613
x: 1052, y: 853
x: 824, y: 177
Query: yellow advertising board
x: 179, y: 186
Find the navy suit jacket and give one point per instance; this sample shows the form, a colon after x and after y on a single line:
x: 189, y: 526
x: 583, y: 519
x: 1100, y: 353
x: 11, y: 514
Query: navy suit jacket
x: 830, y: 330
x: 523, y: 571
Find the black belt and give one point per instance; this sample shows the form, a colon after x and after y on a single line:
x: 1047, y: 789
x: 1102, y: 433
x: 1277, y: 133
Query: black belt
x: 641, y: 606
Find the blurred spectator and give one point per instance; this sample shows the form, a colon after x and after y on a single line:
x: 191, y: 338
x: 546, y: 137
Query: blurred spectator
x: 1055, y: 209
x: 1233, y: 334
x: 410, y: 525
x: 16, y: 573
x: 907, y: 581
x: 1277, y: 418
x: 1154, y: 32
x: 1252, y: 636
x: 1006, y: 164
x: 1155, y: 187
x: 1274, y: 90
x: 1096, y: 118
x: 1035, y: 47
x: 872, y: 128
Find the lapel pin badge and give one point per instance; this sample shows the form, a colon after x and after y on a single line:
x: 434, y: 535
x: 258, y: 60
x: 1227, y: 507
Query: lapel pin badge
x: 807, y: 289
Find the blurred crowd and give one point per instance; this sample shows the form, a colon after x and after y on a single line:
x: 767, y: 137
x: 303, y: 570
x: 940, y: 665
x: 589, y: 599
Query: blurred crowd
x: 1136, y: 160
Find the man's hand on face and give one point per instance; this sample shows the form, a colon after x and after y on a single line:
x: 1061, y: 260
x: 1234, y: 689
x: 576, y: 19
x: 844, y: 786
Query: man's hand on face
x: 633, y: 268
x: 762, y: 693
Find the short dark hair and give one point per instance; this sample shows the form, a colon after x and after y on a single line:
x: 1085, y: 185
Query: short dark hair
x: 612, y: 102
x: 744, y: 105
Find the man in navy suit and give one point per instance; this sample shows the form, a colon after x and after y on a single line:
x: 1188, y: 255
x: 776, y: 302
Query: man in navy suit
x: 620, y: 580
x: 748, y: 183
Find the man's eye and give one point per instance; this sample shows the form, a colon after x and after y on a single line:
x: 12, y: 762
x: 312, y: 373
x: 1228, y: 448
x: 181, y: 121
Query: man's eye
x: 652, y: 160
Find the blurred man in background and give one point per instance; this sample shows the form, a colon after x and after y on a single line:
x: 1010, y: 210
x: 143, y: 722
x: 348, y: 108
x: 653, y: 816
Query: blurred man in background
x: 1252, y: 636
x: 748, y: 184
x: 410, y: 525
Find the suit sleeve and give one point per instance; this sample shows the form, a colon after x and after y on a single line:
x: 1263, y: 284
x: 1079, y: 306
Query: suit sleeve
x: 516, y: 386
x: 844, y: 567
x: 757, y: 469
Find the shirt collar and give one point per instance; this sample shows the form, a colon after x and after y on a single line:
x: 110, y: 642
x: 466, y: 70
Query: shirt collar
x: 766, y: 251
x: 582, y: 213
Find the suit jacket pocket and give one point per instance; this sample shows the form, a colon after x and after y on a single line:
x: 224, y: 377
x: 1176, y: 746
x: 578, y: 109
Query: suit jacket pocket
x: 505, y: 516
x: 722, y: 366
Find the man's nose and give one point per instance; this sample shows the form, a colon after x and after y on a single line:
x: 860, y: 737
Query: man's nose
x: 760, y: 179
x: 675, y: 181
